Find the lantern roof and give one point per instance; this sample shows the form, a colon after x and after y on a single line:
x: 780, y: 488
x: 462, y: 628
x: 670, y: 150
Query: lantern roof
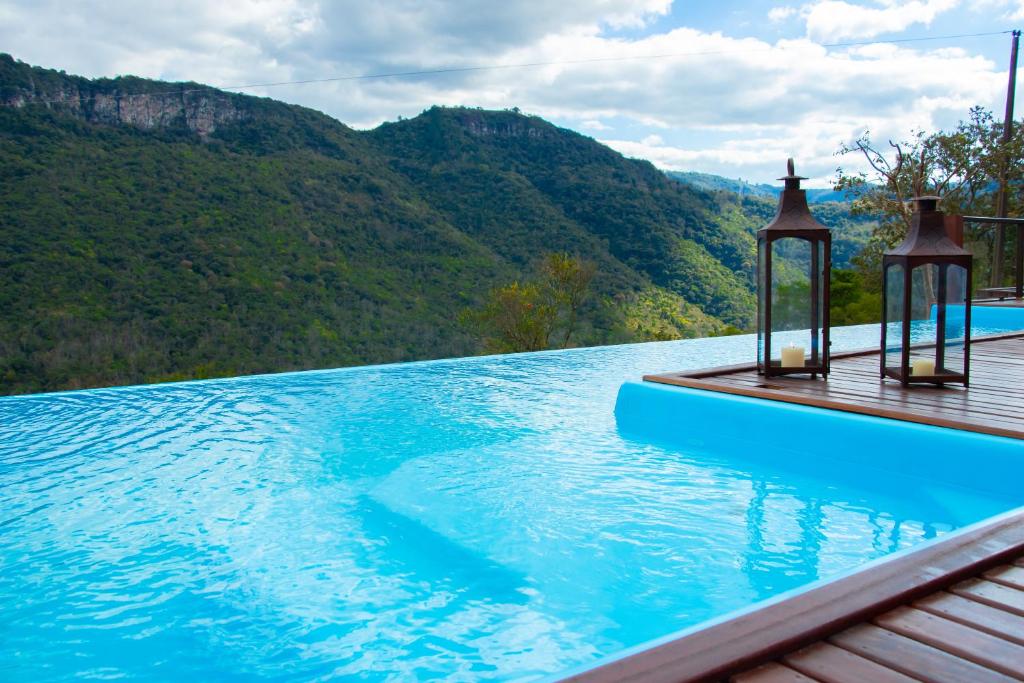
x: 793, y: 212
x: 927, y: 235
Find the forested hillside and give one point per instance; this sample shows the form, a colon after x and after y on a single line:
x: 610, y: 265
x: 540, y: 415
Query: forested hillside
x: 153, y: 231
x: 707, y: 181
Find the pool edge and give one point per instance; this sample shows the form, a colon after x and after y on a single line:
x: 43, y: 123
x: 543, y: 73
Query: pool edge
x: 759, y: 633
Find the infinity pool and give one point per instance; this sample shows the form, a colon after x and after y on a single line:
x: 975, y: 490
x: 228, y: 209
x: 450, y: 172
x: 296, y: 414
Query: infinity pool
x: 464, y: 519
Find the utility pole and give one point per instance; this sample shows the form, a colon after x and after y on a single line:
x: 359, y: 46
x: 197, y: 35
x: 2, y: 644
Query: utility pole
x: 1003, y: 198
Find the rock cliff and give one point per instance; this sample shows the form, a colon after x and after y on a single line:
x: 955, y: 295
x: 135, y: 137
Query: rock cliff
x: 131, y: 101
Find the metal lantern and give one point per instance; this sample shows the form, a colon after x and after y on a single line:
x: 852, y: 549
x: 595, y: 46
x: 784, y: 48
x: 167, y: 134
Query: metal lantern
x: 926, y: 303
x: 793, y: 277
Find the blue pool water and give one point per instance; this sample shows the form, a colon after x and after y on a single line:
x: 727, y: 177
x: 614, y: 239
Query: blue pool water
x: 465, y: 519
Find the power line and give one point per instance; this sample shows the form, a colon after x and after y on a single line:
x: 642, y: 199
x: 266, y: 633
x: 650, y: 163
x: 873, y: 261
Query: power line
x: 531, y: 65
x: 527, y: 65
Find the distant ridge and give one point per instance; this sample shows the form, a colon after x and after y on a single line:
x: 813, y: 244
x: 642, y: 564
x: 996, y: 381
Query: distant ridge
x: 711, y: 182
x: 153, y: 231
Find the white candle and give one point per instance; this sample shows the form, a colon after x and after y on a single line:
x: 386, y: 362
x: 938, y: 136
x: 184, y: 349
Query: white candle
x: 792, y: 356
x: 922, y: 366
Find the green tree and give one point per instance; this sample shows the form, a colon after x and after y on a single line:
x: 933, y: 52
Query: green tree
x: 525, y: 316
x: 961, y: 166
x: 565, y: 281
x: 515, y: 317
x: 851, y: 303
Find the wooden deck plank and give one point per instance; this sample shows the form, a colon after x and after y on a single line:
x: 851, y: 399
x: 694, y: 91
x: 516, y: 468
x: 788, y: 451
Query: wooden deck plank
x: 988, y: 385
x: 1002, y: 303
x: 830, y: 664
x: 994, y: 594
x: 772, y: 673
x: 869, y: 384
x: 913, y: 658
x: 863, y: 389
x: 961, y: 641
x: 993, y: 366
x: 874, y: 391
x: 994, y: 404
x: 975, y: 614
x: 990, y: 366
x: 773, y: 632
x: 1008, y: 575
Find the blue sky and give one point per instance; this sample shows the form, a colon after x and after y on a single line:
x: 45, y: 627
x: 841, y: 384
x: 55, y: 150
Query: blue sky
x: 750, y: 84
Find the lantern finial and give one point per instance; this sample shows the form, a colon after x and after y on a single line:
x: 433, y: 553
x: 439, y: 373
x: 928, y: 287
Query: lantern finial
x: 791, y: 178
x: 793, y: 212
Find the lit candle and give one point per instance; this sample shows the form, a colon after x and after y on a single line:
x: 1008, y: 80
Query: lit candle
x: 792, y: 356
x: 922, y: 366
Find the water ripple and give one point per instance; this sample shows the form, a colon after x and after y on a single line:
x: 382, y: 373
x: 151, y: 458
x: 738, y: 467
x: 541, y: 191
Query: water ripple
x: 458, y: 520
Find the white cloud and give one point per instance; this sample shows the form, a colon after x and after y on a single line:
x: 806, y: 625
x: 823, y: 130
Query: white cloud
x: 762, y: 156
x: 633, y: 15
x: 1016, y: 14
x: 1009, y: 10
x: 781, y: 13
x: 743, y: 104
x: 835, y: 20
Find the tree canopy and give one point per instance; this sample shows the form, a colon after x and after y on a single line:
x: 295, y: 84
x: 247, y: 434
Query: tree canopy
x: 962, y: 166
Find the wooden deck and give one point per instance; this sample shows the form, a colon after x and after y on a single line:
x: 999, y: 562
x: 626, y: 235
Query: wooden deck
x: 994, y: 404
x: 949, y: 612
x: 973, y: 631
x: 1001, y: 303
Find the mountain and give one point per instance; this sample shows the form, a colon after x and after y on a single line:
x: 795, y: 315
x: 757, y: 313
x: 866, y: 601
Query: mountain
x: 710, y: 182
x: 152, y: 231
x: 756, y: 204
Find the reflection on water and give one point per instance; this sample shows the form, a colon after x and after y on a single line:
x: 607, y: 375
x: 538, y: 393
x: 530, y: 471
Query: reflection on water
x: 478, y: 518
x: 788, y: 535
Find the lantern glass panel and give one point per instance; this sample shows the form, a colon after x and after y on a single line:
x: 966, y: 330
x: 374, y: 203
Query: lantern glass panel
x: 954, y: 327
x: 894, y: 315
x: 818, y: 336
x: 796, y: 306
x: 761, y: 293
x: 924, y: 283
x: 939, y: 316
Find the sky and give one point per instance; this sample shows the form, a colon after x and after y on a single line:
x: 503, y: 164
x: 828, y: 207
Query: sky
x: 731, y: 87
